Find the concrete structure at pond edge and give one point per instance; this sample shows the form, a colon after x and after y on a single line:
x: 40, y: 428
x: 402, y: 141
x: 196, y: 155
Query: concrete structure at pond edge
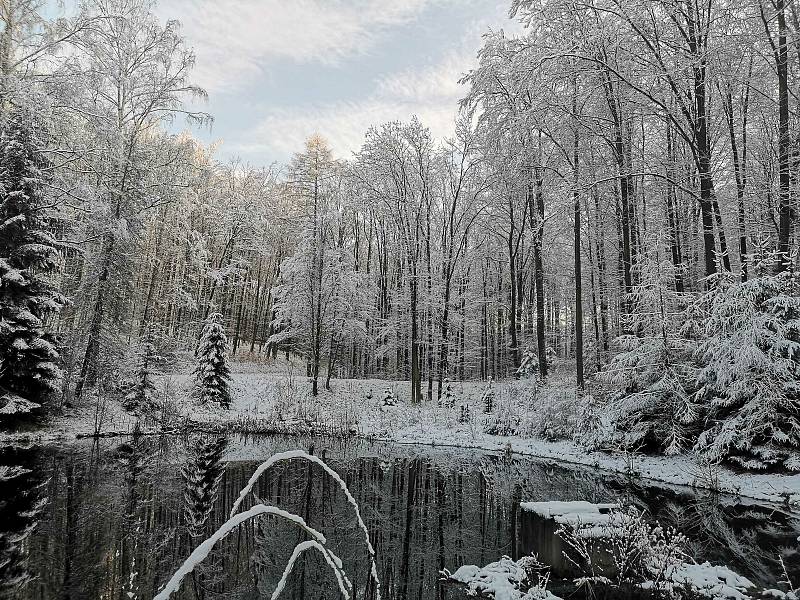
x: 540, y: 521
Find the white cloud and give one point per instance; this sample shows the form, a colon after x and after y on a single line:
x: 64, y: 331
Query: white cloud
x: 437, y: 81
x: 284, y: 131
x: 431, y: 93
x: 235, y: 39
x: 239, y: 40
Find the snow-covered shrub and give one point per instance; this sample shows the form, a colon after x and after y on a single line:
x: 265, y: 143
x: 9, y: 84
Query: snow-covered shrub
x: 651, y: 406
x: 506, y: 579
x: 464, y: 414
x: 622, y: 550
x: 524, y: 407
x: 505, y: 421
x: 212, y: 374
x: 513, y: 404
x: 557, y: 414
x: 448, y: 399
x: 750, y: 382
x: 29, y: 368
x: 389, y: 398
x: 610, y: 548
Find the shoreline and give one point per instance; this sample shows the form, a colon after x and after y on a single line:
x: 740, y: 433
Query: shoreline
x: 678, y: 471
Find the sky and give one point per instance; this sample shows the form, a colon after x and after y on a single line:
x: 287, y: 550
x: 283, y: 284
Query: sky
x: 278, y: 71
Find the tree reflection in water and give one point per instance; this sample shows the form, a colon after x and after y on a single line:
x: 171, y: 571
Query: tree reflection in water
x: 121, y: 517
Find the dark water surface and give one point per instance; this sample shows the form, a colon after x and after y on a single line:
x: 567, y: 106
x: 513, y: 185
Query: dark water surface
x: 113, y: 519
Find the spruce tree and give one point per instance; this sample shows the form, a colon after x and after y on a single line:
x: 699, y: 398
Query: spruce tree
x: 144, y: 389
x: 212, y: 374
x: 750, y: 383
x: 28, y: 258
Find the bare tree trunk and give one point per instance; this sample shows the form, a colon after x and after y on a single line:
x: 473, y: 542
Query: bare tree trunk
x: 88, y: 373
x: 784, y: 201
x: 238, y: 328
x: 577, y: 231
x: 672, y: 216
x: 416, y: 375
x: 256, y: 308
x: 739, y: 164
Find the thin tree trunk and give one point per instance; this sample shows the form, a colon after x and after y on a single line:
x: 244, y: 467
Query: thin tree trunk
x: 577, y: 232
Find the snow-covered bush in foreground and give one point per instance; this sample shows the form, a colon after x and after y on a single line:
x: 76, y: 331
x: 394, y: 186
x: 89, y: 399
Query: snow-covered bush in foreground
x: 317, y: 542
x: 505, y: 579
x: 750, y: 385
x: 653, y: 373
x: 624, y: 550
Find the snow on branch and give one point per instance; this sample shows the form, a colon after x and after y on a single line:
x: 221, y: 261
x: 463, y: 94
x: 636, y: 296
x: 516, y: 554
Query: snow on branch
x: 299, y: 454
x: 332, y: 560
x: 202, y: 551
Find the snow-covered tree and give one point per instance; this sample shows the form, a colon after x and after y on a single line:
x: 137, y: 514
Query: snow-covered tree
x: 212, y: 374
x: 654, y: 373
x: 750, y: 382
x: 447, y: 399
x: 129, y: 78
x: 143, y: 389
x: 28, y: 257
x: 320, y: 298
x: 488, y: 398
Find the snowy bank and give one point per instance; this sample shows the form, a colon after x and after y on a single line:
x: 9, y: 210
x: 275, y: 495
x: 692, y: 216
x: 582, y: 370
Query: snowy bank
x: 273, y: 401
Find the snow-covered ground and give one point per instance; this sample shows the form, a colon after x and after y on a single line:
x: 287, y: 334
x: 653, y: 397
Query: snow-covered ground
x: 276, y: 398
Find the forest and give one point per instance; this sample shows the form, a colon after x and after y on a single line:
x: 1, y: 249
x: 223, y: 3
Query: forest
x: 619, y: 194
x: 617, y: 201
x: 527, y: 232
x: 590, y: 285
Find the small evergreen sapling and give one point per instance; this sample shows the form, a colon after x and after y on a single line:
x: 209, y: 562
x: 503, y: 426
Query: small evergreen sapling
x: 143, y: 390
x: 389, y: 399
x: 448, y: 398
x: 465, y: 414
x: 488, y: 397
x: 529, y: 365
x: 28, y: 256
x: 212, y: 374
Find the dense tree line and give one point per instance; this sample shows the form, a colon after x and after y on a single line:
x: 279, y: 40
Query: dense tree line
x: 620, y: 190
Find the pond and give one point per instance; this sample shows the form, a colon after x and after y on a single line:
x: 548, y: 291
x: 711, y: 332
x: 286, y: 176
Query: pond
x: 114, y: 518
